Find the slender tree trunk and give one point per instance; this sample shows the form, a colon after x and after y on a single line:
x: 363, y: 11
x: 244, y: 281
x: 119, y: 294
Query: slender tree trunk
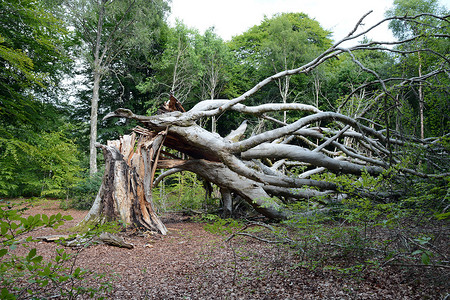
x: 97, y: 73
x: 421, y: 101
x: 227, y: 202
x: 93, y: 134
x: 284, y: 91
x: 213, y: 118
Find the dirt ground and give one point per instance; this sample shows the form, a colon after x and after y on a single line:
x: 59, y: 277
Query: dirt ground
x: 192, y: 263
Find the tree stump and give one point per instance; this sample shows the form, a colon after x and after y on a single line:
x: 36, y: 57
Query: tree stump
x: 126, y: 190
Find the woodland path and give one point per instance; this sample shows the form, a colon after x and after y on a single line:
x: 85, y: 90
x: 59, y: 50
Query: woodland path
x: 192, y: 263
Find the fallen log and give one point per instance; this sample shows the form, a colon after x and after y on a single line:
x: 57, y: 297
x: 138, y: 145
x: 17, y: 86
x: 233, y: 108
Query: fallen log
x: 81, y: 240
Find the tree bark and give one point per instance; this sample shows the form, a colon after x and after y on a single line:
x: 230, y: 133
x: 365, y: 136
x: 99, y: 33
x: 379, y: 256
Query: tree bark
x: 227, y: 202
x: 219, y: 174
x: 125, y: 193
x: 93, y: 120
x: 97, y: 73
x: 421, y: 100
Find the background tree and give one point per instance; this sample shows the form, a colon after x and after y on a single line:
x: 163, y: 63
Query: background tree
x: 216, y: 62
x: 417, y: 96
x: 177, y: 68
x: 30, y: 53
x: 278, y: 43
x: 292, y: 40
x: 32, y: 120
x: 110, y: 29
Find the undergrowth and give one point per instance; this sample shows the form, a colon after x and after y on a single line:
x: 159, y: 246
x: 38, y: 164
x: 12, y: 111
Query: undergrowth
x: 184, y: 191
x: 362, y: 234
x: 29, y: 276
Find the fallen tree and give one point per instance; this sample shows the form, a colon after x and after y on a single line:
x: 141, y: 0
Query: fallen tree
x: 263, y: 169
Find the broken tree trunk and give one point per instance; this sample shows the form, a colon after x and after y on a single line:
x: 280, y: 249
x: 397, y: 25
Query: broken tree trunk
x: 126, y: 190
x: 276, y: 162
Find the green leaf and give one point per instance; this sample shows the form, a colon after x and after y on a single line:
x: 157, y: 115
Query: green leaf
x: 425, y: 258
x: 44, y: 283
x: 5, y: 294
x: 46, y: 271
x: 31, y: 254
x: 68, y: 218
x: 416, y: 252
x: 4, y: 228
x: 3, y: 252
x: 14, y: 226
x: 37, y: 259
x: 31, y: 219
x: 443, y: 216
x: 45, y: 218
x: 423, y: 240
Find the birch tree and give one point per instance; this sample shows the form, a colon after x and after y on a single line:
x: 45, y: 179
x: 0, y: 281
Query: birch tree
x: 292, y: 39
x: 215, y: 59
x: 109, y: 28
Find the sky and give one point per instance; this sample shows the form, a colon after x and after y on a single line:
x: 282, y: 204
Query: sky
x: 233, y: 17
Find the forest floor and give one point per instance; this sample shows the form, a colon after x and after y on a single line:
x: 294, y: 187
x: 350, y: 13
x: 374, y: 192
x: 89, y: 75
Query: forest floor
x: 192, y: 263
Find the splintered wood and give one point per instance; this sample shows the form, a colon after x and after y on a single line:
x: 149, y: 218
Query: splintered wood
x: 126, y: 190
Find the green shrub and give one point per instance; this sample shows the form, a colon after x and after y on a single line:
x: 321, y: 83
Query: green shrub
x: 83, y: 194
x: 182, y: 191
x: 43, y: 164
x: 363, y: 232
x: 29, y: 276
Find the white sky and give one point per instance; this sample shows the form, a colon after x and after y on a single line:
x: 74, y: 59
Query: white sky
x: 233, y: 17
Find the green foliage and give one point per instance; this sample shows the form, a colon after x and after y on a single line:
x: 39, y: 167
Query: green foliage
x: 179, y: 75
x: 182, y: 191
x: 425, y: 254
x: 132, y: 37
x: 30, y: 276
x: 30, y: 40
x: 283, y: 42
x: 403, y: 29
x: 432, y: 95
x: 83, y: 194
x: 36, y: 157
x: 217, y: 225
x: 44, y: 164
x: 369, y: 232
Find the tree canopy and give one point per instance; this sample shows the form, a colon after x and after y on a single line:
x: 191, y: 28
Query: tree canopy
x: 32, y: 119
x: 31, y: 57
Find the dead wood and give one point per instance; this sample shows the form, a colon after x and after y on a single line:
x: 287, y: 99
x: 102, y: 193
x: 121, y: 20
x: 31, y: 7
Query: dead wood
x: 263, y: 167
x: 82, y: 241
x: 126, y: 190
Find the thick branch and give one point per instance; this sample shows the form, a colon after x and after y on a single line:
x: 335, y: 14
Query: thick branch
x: 296, y: 153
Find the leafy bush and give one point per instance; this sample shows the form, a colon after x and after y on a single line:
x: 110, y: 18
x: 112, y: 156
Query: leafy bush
x: 29, y: 276
x: 182, y: 191
x: 83, y: 194
x: 367, y: 232
x: 43, y: 164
